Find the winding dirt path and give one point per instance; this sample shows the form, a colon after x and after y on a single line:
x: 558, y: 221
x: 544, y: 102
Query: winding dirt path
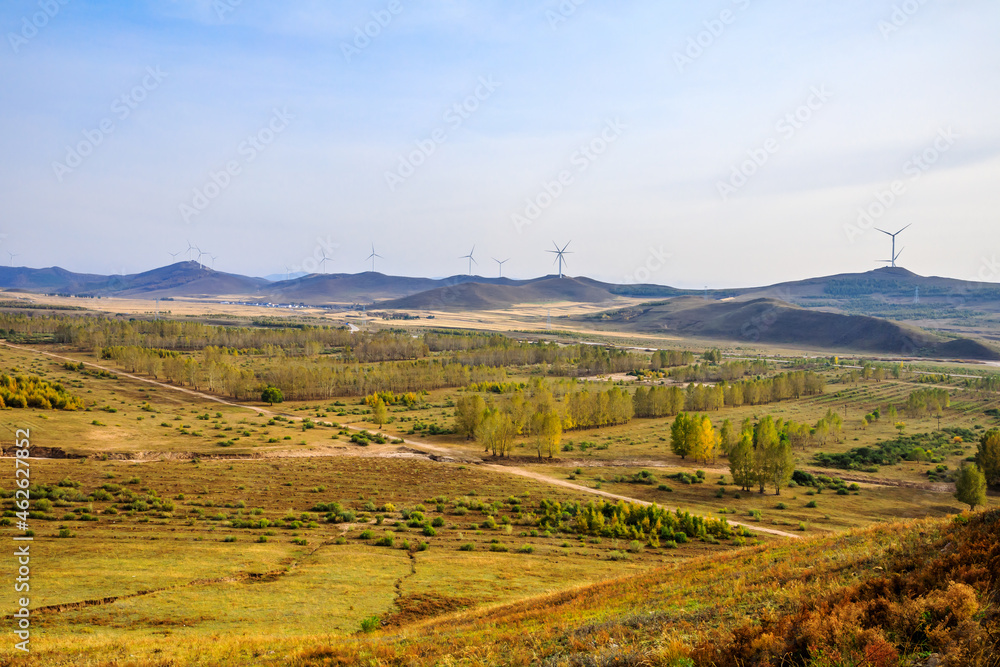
x: 437, y: 450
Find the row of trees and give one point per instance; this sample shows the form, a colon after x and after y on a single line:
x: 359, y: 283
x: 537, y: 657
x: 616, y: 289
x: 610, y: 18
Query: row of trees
x: 536, y: 412
x: 242, y: 376
x: 729, y: 371
x: 669, y: 401
x: 670, y: 358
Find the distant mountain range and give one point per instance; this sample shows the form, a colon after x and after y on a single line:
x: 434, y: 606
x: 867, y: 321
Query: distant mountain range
x: 830, y: 312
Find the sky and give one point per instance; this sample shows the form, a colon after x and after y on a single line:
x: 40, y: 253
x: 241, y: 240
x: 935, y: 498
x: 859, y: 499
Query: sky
x: 725, y: 143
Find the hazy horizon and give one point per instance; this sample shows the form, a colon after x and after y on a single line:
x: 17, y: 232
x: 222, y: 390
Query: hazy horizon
x: 268, y: 136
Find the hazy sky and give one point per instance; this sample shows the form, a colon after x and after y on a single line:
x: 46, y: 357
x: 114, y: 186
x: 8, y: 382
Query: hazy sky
x: 722, y: 143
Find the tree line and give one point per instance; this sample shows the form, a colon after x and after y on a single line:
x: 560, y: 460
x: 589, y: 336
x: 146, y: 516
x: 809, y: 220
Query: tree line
x: 536, y: 412
x: 668, y: 401
x: 243, y: 376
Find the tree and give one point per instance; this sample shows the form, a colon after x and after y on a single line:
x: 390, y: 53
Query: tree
x: 551, y: 432
x: 988, y: 457
x: 705, y: 439
x: 469, y: 411
x: 765, y: 449
x: 271, y: 395
x: 971, y: 486
x: 741, y: 464
x: 380, y: 413
x: 781, y: 465
x: 680, y: 435
x: 727, y: 438
x: 496, y: 432
x: 834, y: 422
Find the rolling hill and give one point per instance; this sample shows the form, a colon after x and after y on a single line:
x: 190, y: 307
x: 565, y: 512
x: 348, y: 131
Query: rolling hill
x: 479, y: 296
x: 51, y: 279
x: 768, y: 320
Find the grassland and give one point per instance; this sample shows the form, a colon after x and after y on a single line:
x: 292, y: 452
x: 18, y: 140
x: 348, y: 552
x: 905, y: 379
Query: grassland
x: 165, y: 557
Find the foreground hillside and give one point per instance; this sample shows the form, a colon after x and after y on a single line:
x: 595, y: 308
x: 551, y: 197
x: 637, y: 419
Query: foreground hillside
x: 887, y: 595
x: 919, y: 593
x: 882, y: 596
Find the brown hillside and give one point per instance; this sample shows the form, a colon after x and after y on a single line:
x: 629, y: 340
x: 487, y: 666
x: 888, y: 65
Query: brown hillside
x: 772, y: 321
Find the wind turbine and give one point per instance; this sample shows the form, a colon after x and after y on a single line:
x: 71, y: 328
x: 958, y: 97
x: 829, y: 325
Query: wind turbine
x: 173, y: 255
x: 471, y: 259
x: 214, y: 257
x: 559, y: 252
x: 323, y: 261
x: 200, y: 253
x: 500, y: 264
x: 189, y: 249
x: 12, y: 256
x: 288, y: 272
x: 373, y: 256
x: 892, y: 261
x: 895, y: 255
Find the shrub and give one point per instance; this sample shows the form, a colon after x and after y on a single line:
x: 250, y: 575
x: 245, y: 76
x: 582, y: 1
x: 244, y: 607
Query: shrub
x: 468, y: 546
x: 370, y: 624
x: 635, y: 546
x: 811, y: 504
x: 437, y: 522
x: 499, y: 547
x: 429, y: 531
x: 525, y: 549
x: 366, y: 535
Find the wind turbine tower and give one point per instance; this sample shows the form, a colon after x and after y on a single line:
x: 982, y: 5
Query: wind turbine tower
x: 560, y: 255
x: 500, y: 264
x: 894, y: 254
x: 471, y: 259
x: 373, y: 256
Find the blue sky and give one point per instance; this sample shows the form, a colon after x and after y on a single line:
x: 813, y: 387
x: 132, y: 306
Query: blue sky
x: 717, y: 143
